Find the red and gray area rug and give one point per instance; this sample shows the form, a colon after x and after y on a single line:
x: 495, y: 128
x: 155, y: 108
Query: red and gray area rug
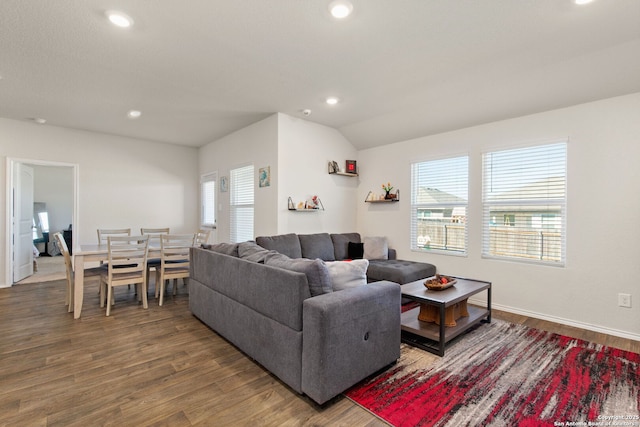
x: 502, y: 374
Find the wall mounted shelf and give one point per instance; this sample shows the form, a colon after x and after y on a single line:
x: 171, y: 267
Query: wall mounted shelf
x: 368, y: 199
x: 352, y: 175
x: 292, y: 206
x: 334, y: 169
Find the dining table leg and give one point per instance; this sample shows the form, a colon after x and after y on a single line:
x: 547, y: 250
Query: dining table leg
x: 78, y: 286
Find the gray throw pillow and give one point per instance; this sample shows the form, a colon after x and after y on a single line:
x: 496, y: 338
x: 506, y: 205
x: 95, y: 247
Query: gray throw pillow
x: 348, y: 274
x: 376, y: 248
x: 315, y: 270
x: 252, y: 252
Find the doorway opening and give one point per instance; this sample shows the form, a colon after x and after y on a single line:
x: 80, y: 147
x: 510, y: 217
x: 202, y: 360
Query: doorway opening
x: 42, y: 199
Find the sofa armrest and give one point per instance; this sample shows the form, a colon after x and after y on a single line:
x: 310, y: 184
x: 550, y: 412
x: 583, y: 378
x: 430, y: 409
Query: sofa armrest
x: 347, y: 336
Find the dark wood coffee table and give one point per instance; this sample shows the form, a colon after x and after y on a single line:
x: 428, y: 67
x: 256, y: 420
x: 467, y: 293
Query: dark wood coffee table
x: 430, y: 336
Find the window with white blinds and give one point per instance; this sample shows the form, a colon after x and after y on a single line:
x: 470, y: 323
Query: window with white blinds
x: 241, y: 187
x: 524, y: 203
x: 439, y: 199
x: 208, y: 199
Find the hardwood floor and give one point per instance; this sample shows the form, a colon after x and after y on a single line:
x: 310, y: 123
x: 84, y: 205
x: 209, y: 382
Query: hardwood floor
x: 155, y: 367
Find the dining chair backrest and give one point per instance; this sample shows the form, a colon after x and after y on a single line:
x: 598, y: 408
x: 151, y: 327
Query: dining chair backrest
x: 127, y: 256
x: 202, y: 237
x: 62, y: 245
x: 174, y: 251
x: 174, y: 261
x: 154, y: 234
x: 104, y: 233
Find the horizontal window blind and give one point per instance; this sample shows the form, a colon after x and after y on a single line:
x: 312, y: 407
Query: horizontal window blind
x: 208, y: 195
x: 241, y: 188
x: 524, y: 203
x: 439, y: 199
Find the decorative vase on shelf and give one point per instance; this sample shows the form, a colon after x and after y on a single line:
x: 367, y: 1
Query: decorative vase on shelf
x: 389, y: 196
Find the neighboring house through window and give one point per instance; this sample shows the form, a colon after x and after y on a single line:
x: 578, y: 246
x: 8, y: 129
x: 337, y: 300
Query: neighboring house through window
x: 524, y: 203
x: 439, y: 198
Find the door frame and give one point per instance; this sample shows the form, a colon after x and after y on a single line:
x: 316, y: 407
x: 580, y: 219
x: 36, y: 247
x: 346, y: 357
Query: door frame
x: 11, y: 164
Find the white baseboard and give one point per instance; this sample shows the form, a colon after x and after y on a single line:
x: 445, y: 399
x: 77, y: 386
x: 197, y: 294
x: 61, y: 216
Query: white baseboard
x: 609, y: 331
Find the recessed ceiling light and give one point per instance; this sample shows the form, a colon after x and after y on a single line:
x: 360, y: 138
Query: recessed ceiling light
x: 332, y: 100
x: 582, y: 1
x: 134, y: 114
x: 340, y: 9
x: 119, y: 19
x: 39, y: 120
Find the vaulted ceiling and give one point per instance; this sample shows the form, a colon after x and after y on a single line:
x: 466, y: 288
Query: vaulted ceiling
x: 201, y: 69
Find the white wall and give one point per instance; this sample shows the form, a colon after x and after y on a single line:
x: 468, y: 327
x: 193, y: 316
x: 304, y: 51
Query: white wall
x: 304, y: 151
x: 603, y: 254
x: 123, y: 182
x: 297, y: 151
x: 256, y: 144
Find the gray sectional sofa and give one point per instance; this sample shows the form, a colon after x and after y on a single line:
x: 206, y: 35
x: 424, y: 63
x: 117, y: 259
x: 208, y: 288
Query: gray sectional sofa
x: 282, y: 313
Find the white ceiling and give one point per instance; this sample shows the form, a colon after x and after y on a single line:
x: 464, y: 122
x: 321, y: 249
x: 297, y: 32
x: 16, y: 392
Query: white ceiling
x: 201, y: 69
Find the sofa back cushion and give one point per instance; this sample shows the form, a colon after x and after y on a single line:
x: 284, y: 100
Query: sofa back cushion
x: 317, y: 246
x: 315, y: 270
x: 287, y: 244
x: 341, y: 244
x: 252, y: 252
x: 223, y: 248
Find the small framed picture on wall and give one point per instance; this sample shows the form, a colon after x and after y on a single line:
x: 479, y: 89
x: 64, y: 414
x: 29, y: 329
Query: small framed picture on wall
x: 351, y: 167
x: 224, y: 184
x: 265, y: 177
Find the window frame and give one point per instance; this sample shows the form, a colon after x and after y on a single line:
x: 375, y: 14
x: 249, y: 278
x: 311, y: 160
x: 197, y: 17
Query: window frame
x: 533, y: 210
x: 454, y: 203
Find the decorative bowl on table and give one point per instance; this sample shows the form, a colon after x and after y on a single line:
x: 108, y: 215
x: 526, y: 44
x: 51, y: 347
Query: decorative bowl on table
x: 439, y: 282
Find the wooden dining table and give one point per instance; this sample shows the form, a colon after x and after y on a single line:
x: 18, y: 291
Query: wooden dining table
x: 89, y: 253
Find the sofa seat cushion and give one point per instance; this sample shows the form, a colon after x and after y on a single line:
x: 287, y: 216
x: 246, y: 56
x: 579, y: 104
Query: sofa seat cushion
x: 348, y: 274
x: 287, y: 244
x: 315, y: 270
x: 341, y: 244
x: 399, y: 271
x: 317, y: 246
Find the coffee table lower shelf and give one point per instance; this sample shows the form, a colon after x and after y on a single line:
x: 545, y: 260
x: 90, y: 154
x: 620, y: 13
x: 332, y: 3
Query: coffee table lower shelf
x: 415, y: 331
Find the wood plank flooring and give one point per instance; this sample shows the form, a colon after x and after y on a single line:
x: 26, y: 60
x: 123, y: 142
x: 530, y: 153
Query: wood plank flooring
x: 155, y: 367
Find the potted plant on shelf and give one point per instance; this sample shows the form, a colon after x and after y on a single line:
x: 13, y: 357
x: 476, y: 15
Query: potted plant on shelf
x: 387, y: 189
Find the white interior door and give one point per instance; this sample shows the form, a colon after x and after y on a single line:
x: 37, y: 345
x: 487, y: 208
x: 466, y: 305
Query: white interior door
x: 23, y: 222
